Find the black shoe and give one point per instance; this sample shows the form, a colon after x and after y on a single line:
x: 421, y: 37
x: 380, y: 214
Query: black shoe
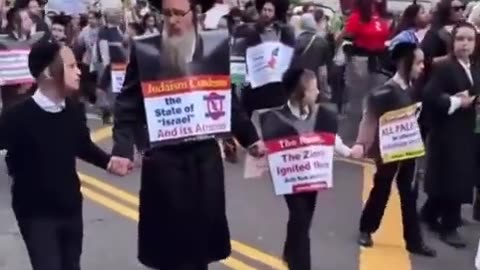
x: 453, y: 239
x: 365, y: 240
x: 422, y: 250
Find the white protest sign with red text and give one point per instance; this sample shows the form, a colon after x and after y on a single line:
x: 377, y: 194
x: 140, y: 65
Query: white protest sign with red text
x: 301, y: 163
x: 188, y: 107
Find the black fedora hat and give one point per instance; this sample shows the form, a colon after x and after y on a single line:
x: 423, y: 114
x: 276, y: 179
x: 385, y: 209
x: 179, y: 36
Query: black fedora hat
x: 205, y: 4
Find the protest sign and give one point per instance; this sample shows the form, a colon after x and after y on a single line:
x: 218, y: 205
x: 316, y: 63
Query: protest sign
x: 399, y: 135
x: 299, y: 153
x: 185, y: 103
x: 14, y: 61
x: 301, y: 163
x: 267, y: 62
x: 118, y: 59
x: 238, y: 66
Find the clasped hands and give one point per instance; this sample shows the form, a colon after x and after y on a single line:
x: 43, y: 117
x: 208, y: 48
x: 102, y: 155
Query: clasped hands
x: 465, y: 98
x: 119, y: 166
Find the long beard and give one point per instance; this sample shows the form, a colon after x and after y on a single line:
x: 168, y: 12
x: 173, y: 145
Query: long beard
x: 178, y: 51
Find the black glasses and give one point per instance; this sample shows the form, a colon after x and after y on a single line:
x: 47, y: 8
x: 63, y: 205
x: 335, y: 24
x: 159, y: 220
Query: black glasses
x: 175, y: 12
x: 459, y: 8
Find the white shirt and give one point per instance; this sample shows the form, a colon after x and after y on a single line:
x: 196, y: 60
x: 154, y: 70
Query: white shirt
x: 341, y: 148
x: 46, y: 103
x: 456, y: 102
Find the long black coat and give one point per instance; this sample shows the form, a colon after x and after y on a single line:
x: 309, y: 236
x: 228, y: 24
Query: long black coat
x: 451, y: 170
x: 182, y: 197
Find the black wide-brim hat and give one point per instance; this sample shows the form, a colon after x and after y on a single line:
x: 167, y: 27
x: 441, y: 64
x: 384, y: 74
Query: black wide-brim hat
x: 205, y: 4
x: 281, y: 7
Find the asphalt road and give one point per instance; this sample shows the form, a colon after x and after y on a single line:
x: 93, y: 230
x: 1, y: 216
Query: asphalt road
x: 257, y: 220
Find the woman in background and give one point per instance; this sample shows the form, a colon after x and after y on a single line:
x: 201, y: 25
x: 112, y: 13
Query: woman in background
x: 368, y: 28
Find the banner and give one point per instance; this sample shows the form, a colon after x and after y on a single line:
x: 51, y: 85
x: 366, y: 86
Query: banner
x: 238, y: 66
x: 399, y: 135
x: 14, y: 61
x: 187, y: 104
x: 119, y: 60
x: 301, y: 163
x: 267, y: 62
x: 300, y: 155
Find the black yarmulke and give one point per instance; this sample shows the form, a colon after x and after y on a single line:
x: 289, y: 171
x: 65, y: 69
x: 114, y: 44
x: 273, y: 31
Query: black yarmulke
x: 41, y: 55
x: 400, y: 50
x: 205, y: 4
x: 291, y: 78
x: 61, y: 19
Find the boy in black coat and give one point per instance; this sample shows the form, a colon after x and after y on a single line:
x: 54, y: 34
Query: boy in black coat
x: 43, y: 136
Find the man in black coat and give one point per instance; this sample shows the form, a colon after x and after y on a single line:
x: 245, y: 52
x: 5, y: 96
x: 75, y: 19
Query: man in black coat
x: 182, y: 223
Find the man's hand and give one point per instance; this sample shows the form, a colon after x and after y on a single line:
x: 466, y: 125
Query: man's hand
x: 120, y: 166
x: 257, y: 149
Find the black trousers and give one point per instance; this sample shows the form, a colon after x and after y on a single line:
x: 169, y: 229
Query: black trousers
x: 296, y: 251
x: 377, y: 201
x: 447, y: 213
x: 53, y: 243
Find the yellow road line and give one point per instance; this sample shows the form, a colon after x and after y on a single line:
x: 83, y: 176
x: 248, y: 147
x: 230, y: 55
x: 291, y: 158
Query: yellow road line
x: 112, y: 190
x: 127, y: 197
x: 133, y: 215
x: 389, y: 248
x: 101, y: 134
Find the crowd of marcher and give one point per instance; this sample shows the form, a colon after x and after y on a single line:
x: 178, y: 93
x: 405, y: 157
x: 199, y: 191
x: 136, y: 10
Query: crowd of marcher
x: 336, y: 70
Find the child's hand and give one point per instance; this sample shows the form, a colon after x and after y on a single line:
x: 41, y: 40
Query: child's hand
x: 357, y: 151
x: 120, y: 166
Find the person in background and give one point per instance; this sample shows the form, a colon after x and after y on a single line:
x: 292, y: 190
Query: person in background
x: 86, y: 50
x: 415, y: 18
x: 234, y: 19
x: 250, y: 15
x: 437, y: 46
x: 59, y: 28
x: 150, y: 24
x: 308, y: 8
x: 3, y: 15
x: 312, y: 53
x: 109, y: 35
x: 44, y: 135
x: 271, y: 26
x: 35, y: 9
x: 451, y: 96
x: 18, y: 28
x: 396, y: 93
x: 437, y: 41
x: 368, y: 29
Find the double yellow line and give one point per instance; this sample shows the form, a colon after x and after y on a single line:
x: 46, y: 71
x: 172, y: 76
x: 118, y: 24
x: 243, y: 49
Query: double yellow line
x: 126, y: 204
x: 389, y: 250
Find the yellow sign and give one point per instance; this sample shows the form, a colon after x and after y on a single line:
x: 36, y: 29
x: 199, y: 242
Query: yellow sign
x: 399, y: 135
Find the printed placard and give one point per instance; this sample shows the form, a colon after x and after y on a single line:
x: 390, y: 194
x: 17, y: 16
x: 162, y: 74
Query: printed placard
x: 301, y: 163
x: 267, y: 62
x: 118, y: 77
x: 14, y: 67
x: 399, y: 135
x: 238, y: 70
x: 187, y: 107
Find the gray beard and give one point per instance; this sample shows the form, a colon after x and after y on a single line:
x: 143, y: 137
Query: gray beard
x: 179, y: 50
